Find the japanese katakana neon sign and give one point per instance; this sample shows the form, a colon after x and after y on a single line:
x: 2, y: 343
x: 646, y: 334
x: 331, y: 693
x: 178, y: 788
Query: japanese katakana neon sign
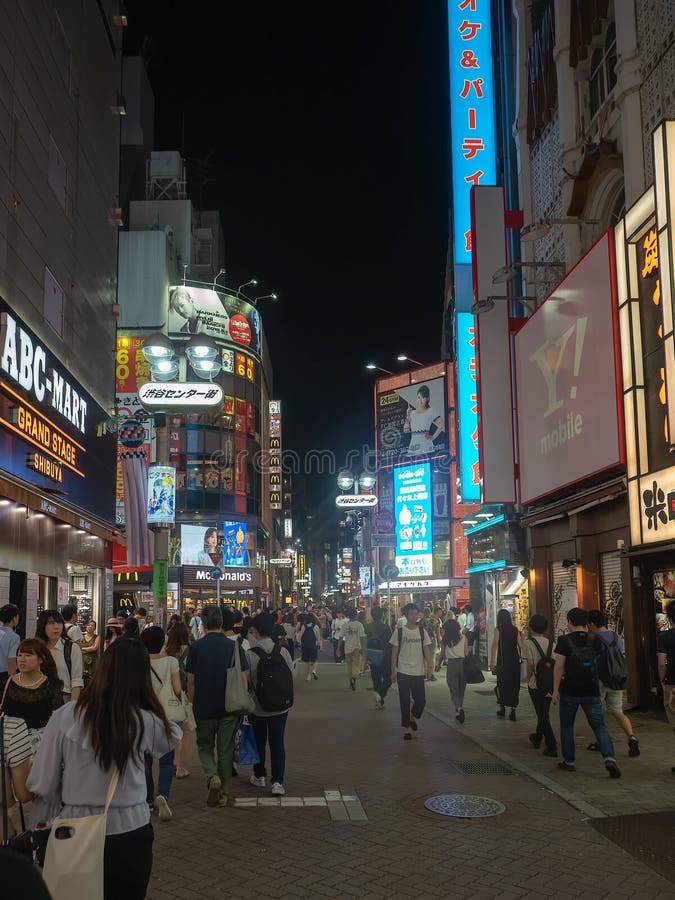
x: 467, y: 410
x: 472, y: 125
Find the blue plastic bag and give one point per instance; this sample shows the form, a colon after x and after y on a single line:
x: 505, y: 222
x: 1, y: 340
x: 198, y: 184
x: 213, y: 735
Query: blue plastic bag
x: 248, y: 748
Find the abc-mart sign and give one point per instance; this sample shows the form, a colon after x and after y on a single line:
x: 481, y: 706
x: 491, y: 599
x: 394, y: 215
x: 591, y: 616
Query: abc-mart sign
x: 356, y: 500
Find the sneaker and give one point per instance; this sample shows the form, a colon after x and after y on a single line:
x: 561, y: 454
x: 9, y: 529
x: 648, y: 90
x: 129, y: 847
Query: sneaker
x: 165, y: 813
x: 567, y: 767
x: 315, y: 676
x: 461, y: 717
x: 309, y: 678
x: 633, y: 747
x: 222, y: 800
x: 413, y: 724
x: 535, y: 740
x: 278, y: 790
x: 257, y: 782
x: 512, y: 716
x: 214, y: 791
x: 407, y: 736
x: 612, y: 768
x: 550, y: 751
x: 352, y: 683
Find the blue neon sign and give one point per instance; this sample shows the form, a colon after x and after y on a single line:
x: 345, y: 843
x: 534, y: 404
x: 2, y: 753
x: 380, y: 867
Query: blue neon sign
x: 412, y: 508
x: 467, y: 407
x: 472, y: 106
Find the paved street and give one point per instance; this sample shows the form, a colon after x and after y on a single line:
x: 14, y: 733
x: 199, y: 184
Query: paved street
x: 541, y: 846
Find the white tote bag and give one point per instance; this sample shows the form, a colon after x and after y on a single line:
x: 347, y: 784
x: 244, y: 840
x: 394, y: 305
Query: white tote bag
x: 73, y: 867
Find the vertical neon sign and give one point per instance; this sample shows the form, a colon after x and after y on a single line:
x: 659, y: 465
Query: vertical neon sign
x: 467, y: 410
x: 472, y: 126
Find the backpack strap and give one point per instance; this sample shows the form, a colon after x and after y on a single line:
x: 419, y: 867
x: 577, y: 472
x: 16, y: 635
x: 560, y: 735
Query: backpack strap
x: 67, y: 655
x: 547, y: 655
x: 400, y: 638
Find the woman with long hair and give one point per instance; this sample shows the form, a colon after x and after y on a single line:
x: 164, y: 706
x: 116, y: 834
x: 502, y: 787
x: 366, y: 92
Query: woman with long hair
x: 210, y: 546
x: 454, y: 649
x: 113, y: 630
x: 505, y: 663
x: 177, y: 645
x: 35, y: 691
x: 50, y: 627
x: 115, y: 722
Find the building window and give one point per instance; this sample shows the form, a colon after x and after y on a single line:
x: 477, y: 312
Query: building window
x: 603, y: 70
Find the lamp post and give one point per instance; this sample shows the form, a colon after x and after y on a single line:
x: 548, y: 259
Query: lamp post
x: 372, y: 366
x: 201, y: 352
x: 402, y: 358
x: 361, y: 485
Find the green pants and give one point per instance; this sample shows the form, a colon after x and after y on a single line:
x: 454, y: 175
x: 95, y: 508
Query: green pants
x: 215, y: 745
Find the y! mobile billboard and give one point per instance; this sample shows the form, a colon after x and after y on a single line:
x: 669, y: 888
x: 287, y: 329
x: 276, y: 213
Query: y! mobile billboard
x: 412, y: 493
x: 567, y: 380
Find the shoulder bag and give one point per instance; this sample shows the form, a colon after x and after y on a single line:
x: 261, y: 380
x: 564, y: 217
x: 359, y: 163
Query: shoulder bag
x: 238, y: 701
x: 173, y: 707
x: 73, y: 867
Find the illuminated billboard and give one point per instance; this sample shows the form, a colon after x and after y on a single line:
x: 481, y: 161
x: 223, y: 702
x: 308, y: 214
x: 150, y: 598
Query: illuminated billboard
x: 161, y: 495
x: 412, y: 504
x: 467, y: 408
x: 222, y: 316
x: 411, y: 421
x: 210, y: 545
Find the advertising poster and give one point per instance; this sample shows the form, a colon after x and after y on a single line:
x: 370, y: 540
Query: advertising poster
x: 161, y: 495
x: 131, y: 371
x: 220, y: 315
x: 412, y: 493
x: 235, y: 552
x: 199, y: 546
x: 411, y: 422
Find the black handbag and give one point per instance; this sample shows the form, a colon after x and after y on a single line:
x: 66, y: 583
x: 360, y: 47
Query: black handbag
x: 472, y: 670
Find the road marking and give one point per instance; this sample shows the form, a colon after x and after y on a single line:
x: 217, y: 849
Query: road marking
x: 343, y: 804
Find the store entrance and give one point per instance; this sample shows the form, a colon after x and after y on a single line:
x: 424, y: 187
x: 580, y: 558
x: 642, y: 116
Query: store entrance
x: 84, y: 592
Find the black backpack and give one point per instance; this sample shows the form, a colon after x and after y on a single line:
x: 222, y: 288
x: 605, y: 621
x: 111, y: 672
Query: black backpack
x: 273, y: 681
x: 308, y: 639
x: 543, y: 669
x: 581, y: 667
x: 612, y: 669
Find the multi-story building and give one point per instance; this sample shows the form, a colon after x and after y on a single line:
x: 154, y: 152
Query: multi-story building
x: 589, y: 369
x: 60, y: 106
x: 228, y: 463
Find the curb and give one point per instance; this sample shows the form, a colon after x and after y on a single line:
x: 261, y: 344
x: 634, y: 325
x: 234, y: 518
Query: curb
x: 592, y: 812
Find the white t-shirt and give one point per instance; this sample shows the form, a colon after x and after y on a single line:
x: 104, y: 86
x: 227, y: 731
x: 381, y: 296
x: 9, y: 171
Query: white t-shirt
x: 74, y: 632
x: 74, y: 677
x: 420, y: 423
x: 352, y: 634
x: 164, y: 668
x: 244, y: 641
x: 528, y: 651
x: 411, y: 659
x: 336, y: 627
x: 458, y: 651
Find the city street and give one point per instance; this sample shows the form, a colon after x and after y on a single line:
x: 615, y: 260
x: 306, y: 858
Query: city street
x: 388, y: 844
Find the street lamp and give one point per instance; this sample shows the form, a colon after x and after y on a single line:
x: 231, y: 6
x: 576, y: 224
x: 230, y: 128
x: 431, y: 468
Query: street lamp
x: 402, y: 358
x: 272, y: 297
x: 483, y: 306
x: 201, y: 352
x: 372, y: 366
x: 246, y: 283
x: 541, y: 227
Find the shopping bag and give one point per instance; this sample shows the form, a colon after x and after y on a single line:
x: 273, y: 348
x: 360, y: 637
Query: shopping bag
x: 190, y: 723
x: 472, y: 670
x: 237, y: 698
x: 73, y: 867
x: 248, y: 748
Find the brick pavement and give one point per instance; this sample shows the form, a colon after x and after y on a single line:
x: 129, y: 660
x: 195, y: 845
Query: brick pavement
x: 646, y: 785
x: 540, y: 847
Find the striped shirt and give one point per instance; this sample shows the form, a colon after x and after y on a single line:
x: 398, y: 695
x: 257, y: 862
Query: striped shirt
x: 17, y: 745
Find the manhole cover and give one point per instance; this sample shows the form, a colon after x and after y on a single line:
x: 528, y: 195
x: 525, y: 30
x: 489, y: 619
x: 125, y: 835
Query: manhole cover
x: 481, y: 768
x: 464, y: 806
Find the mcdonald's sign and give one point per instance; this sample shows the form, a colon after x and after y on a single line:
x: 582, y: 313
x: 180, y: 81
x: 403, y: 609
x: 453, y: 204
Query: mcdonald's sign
x: 274, y: 465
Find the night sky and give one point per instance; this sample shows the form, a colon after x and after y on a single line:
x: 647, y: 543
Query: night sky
x: 324, y: 130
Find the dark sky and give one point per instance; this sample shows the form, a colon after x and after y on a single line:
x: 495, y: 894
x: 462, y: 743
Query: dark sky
x: 325, y: 129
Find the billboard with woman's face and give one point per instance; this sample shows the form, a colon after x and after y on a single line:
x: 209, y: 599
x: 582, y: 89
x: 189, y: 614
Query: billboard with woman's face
x: 220, y: 315
x: 411, y: 422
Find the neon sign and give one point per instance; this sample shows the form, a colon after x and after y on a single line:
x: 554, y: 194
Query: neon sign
x: 467, y: 408
x: 471, y: 112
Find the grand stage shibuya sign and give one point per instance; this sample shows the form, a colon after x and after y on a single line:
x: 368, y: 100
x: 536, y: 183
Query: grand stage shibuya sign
x: 48, y: 423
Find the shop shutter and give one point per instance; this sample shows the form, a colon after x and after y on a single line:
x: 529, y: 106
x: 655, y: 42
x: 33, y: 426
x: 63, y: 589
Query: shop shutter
x: 563, y: 594
x: 611, y: 590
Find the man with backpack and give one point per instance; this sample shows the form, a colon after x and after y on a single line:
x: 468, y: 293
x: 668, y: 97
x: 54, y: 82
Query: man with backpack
x: 576, y: 684
x: 537, y: 651
x: 613, y: 675
x: 353, y: 640
x: 310, y: 642
x: 271, y: 676
x: 411, y: 661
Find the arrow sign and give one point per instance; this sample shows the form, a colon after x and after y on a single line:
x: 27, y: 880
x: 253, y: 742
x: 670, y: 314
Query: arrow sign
x: 216, y: 573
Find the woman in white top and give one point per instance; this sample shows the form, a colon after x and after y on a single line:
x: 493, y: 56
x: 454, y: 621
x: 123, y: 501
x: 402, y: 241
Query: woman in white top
x: 423, y: 424
x: 115, y: 722
x: 455, y: 648
x: 164, y: 668
x: 67, y: 655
